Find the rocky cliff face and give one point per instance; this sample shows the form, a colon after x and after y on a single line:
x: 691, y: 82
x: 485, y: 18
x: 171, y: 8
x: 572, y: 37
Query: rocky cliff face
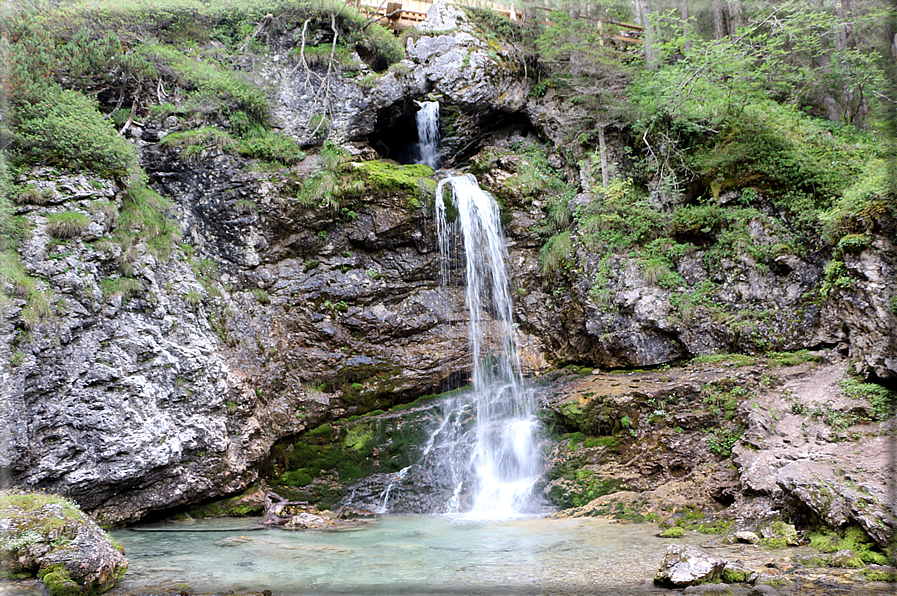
x: 275, y: 314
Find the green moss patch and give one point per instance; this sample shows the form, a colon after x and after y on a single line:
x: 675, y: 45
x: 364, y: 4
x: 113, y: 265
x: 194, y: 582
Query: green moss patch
x: 580, y: 486
x: 58, y: 581
x: 414, y: 180
x: 317, y: 466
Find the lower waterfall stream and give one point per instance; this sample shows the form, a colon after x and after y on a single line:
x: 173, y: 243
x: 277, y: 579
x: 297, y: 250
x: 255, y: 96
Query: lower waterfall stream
x: 498, y: 460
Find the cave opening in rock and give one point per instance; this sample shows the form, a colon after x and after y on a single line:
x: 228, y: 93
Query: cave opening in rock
x: 463, y: 132
x: 395, y: 134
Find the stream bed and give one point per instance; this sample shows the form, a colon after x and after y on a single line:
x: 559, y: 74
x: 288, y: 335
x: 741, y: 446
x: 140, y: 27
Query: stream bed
x: 430, y: 555
x: 399, y: 555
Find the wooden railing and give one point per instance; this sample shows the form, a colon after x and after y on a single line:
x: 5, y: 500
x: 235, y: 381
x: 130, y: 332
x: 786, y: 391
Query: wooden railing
x: 402, y: 14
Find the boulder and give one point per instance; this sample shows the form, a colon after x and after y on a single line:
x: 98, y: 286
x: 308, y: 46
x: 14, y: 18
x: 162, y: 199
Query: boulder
x: 748, y: 537
x: 49, y: 537
x: 442, y: 17
x: 686, y: 565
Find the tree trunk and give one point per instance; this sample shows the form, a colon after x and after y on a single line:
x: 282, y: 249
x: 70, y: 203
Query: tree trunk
x: 843, y: 33
x: 686, y: 26
x: 736, y: 20
x: 643, y: 11
x: 719, y: 19
x: 602, y: 148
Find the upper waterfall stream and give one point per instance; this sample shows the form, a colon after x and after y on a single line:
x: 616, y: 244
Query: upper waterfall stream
x: 427, y: 120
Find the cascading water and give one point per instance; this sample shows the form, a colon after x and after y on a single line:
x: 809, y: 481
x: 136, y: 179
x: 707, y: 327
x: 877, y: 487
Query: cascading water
x: 496, y: 463
x: 427, y: 119
x: 484, y: 455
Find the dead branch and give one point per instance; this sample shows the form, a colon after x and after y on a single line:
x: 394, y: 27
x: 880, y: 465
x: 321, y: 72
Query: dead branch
x: 121, y: 98
x: 266, y: 20
x: 278, y: 514
x: 160, y: 92
x: 376, y: 16
x: 133, y: 110
x: 302, y: 61
x: 325, y: 83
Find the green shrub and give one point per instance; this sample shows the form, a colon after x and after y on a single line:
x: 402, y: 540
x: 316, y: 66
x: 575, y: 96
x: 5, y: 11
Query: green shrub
x: 206, y: 135
x: 68, y: 224
x: 143, y: 219
x: 33, y: 196
x: 869, y: 200
x: 699, y: 220
x: 854, y: 243
x: 721, y: 440
x: 64, y: 128
x: 209, y: 81
x: 192, y: 298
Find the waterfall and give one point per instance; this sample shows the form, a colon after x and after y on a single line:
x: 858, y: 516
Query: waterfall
x: 493, y: 461
x: 427, y: 119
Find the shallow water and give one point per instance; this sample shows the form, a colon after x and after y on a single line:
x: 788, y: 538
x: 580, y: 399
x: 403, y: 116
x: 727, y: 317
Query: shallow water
x: 400, y: 555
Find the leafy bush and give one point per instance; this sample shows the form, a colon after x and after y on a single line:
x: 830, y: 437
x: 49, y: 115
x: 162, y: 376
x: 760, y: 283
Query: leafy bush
x: 144, y: 219
x: 208, y: 81
x: 863, y: 205
x: 835, y: 276
x: 721, y: 440
x: 698, y: 220
x: 854, y: 243
x: 206, y: 135
x: 65, y: 128
x: 882, y: 399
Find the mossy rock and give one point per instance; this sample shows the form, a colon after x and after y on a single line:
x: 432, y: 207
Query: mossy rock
x: 674, y: 532
x: 58, y: 581
x: 48, y: 536
x: 847, y: 559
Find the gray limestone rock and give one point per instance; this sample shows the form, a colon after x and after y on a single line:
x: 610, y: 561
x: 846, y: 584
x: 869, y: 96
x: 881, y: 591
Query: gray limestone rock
x: 685, y: 565
x: 442, y: 16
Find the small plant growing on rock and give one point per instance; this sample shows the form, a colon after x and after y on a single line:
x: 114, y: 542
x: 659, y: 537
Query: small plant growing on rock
x: 68, y: 224
x: 674, y: 532
x: 722, y: 440
x: 33, y: 196
x: 124, y: 286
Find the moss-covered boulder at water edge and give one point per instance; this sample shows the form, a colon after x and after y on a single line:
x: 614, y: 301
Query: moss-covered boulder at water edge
x: 49, y: 537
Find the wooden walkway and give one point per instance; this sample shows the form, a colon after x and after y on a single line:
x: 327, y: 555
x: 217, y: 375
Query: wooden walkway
x: 402, y: 14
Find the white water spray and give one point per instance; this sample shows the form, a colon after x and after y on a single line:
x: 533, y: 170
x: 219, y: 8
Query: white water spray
x: 503, y: 464
x: 427, y: 119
